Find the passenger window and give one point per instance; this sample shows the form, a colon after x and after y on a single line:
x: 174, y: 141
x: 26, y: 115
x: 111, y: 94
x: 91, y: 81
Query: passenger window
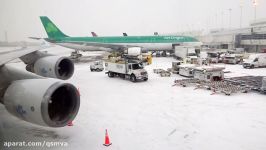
x: 256, y: 59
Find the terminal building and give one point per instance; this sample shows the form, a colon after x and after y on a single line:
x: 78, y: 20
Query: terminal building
x: 252, y: 38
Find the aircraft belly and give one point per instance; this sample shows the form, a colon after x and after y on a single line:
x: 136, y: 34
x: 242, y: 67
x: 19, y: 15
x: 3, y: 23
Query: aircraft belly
x: 83, y: 47
x: 145, y: 46
x: 153, y: 46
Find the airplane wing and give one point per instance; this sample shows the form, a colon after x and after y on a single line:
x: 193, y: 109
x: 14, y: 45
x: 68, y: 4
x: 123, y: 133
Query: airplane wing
x: 36, y: 38
x: 10, y: 55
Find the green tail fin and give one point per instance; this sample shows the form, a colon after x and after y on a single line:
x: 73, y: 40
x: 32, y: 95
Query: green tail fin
x: 51, y: 29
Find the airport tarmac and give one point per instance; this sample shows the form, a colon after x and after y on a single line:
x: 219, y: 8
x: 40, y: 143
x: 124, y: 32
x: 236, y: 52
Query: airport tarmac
x: 150, y: 115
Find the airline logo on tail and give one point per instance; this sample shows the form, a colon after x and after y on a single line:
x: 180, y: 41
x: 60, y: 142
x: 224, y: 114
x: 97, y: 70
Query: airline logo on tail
x: 50, y: 28
x: 52, y: 31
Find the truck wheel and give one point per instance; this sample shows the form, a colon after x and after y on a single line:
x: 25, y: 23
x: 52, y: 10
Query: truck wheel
x: 252, y: 66
x: 92, y: 70
x: 110, y: 74
x: 133, y: 78
x: 145, y: 79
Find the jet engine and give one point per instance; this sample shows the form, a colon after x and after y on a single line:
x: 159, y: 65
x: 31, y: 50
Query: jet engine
x: 46, y: 102
x: 53, y: 67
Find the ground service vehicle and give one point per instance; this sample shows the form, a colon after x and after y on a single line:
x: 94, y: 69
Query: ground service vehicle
x: 96, y: 66
x: 230, y: 59
x: 132, y: 70
x: 209, y: 73
x: 188, y: 53
x: 186, y: 70
x: 213, y: 57
x: 255, y: 60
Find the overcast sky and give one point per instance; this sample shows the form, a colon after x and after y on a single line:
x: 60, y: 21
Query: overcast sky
x: 20, y: 18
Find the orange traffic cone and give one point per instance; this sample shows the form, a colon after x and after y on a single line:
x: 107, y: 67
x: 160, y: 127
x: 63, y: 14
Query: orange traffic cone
x: 70, y: 123
x: 107, y: 141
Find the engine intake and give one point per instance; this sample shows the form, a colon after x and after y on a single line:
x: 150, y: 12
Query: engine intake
x: 46, y: 102
x: 53, y: 67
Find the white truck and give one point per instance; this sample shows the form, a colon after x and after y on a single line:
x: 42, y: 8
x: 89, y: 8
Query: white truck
x: 209, y: 73
x: 184, y: 52
x: 186, y: 70
x: 130, y: 70
x: 213, y: 57
x: 255, y: 60
x: 233, y: 58
x: 96, y: 66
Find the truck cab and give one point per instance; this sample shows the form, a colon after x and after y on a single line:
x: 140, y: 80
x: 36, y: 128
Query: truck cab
x: 137, y: 72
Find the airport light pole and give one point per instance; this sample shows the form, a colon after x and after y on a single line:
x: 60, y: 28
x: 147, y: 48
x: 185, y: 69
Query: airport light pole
x: 241, y: 12
x: 230, y: 12
x: 255, y: 3
x: 216, y: 20
x: 222, y: 19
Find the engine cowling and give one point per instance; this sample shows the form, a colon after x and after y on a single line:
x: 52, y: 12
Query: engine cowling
x: 46, y: 102
x: 53, y: 67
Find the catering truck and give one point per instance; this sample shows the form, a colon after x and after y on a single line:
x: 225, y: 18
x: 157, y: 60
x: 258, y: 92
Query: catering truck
x: 185, y: 53
x: 255, y: 60
x: 126, y: 69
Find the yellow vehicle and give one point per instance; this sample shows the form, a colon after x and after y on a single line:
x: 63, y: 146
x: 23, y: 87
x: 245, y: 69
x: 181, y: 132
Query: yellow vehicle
x: 147, y: 57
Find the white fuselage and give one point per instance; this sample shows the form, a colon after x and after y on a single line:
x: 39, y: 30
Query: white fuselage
x: 144, y: 46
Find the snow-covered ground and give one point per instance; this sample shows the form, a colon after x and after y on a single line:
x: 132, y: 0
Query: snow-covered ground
x: 152, y: 115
